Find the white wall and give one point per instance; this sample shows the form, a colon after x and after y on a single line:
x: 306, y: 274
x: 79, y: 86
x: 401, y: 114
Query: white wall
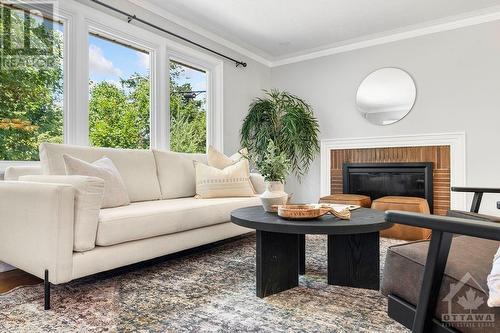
x: 241, y: 85
x: 457, y: 74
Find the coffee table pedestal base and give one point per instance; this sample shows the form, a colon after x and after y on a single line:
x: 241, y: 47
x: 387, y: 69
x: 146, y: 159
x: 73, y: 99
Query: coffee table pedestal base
x: 277, y: 262
x: 353, y: 260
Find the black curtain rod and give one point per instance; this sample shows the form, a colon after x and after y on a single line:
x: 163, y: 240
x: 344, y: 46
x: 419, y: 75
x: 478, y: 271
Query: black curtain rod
x: 131, y: 18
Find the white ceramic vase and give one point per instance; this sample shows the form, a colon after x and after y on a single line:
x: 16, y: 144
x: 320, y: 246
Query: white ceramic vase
x: 273, y: 195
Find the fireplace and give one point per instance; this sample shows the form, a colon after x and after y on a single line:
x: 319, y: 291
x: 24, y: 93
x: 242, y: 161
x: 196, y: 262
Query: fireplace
x: 384, y: 179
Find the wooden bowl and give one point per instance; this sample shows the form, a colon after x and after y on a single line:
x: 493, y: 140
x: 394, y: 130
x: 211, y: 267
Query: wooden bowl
x: 309, y: 212
x: 301, y: 212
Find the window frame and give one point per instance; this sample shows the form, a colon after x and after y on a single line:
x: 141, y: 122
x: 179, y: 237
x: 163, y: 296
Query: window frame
x: 79, y: 20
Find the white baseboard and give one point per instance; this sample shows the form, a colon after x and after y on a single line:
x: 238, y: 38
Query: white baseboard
x: 5, y: 267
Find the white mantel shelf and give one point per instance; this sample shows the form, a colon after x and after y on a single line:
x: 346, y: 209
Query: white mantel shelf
x: 455, y: 140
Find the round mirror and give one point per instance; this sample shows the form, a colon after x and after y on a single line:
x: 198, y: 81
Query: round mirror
x: 386, y: 96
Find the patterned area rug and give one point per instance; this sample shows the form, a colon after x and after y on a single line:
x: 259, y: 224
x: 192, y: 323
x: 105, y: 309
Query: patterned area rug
x: 213, y: 291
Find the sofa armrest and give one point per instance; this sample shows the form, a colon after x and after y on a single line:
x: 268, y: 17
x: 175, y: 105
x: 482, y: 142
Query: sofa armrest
x: 14, y: 172
x: 258, y: 182
x: 36, y: 228
x: 88, y: 200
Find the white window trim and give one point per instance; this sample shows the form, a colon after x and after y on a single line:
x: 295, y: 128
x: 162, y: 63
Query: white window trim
x: 79, y: 20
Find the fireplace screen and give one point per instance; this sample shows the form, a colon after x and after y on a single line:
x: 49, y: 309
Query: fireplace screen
x: 380, y: 179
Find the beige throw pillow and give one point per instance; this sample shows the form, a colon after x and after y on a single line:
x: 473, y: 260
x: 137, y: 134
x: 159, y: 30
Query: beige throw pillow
x: 219, y: 160
x: 115, y: 192
x: 233, y: 181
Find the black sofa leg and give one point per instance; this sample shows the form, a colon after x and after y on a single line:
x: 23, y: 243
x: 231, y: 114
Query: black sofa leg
x: 46, y: 285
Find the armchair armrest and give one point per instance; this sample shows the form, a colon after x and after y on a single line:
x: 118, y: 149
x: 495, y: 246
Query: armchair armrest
x: 454, y: 225
x: 475, y: 189
x: 478, y: 195
x: 36, y: 228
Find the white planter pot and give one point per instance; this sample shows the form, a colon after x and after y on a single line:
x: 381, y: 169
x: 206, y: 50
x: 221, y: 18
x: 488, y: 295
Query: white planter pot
x: 273, y: 195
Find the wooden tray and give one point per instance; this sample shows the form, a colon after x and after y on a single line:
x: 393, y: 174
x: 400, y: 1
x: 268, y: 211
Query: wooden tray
x: 310, y: 212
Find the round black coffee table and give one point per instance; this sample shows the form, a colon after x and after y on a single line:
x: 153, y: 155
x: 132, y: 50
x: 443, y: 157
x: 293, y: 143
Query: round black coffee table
x: 353, y: 248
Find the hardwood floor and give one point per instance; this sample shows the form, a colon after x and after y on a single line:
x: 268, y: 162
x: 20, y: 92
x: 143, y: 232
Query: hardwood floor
x: 12, y: 279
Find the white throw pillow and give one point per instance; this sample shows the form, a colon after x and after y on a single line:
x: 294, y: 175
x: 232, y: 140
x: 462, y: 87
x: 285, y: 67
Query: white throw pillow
x: 88, y: 198
x: 115, y: 192
x: 219, y: 160
x: 233, y: 181
x: 494, y: 282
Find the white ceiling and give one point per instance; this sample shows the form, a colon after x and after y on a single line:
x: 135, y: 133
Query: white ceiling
x: 278, y: 29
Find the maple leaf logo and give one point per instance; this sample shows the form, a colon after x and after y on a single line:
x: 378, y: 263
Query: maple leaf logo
x: 470, y: 301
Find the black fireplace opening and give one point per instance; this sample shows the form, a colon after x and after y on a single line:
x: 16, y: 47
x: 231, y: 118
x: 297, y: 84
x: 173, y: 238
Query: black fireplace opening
x: 377, y: 180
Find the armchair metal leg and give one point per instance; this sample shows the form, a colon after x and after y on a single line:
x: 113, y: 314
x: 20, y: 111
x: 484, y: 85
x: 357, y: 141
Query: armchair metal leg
x: 476, y: 202
x: 46, y: 285
x: 437, y: 256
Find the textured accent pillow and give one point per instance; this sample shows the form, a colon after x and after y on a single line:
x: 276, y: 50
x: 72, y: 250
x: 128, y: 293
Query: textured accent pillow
x: 233, y: 181
x: 115, y: 192
x: 219, y: 160
x: 494, y: 282
x: 88, y: 199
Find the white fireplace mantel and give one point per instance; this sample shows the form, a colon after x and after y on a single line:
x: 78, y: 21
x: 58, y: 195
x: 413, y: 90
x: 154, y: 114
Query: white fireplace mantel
x: 456, y: 141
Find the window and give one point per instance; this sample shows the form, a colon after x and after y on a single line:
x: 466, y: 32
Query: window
x: 188, y: 108
x: 31, y: 83
x: 119, y: 102
x: 72, y: 74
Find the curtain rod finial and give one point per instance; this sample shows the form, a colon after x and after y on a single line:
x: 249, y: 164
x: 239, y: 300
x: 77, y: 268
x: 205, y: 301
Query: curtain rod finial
x: 130, y: 18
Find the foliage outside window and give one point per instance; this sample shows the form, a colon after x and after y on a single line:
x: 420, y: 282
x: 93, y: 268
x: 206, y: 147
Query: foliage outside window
x: 31, y: 96
x: 31, y: 100
x: 119, y: 105
x: 119, y: 108
x: 187, y: 109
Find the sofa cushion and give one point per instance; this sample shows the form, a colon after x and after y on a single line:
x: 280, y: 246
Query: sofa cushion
x: 115, y: 192
x: 176, y: 173
x: 469, y: 262
x: 136, y: 166
x: 154, y: 218
x: 88, y: 197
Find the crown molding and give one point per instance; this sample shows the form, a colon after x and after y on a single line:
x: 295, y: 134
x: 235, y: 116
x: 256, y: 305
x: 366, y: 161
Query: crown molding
x: 451, y: 23
x: 486, y: 15
x: 265, y: 60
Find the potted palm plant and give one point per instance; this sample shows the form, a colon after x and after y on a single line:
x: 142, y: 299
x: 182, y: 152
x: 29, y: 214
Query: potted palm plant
x: 280, y: 126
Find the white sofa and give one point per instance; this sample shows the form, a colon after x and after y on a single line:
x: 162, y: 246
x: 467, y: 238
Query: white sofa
x: 37, y: 219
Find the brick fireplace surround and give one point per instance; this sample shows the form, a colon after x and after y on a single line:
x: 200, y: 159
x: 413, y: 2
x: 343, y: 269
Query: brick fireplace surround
x: 439, y: 156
